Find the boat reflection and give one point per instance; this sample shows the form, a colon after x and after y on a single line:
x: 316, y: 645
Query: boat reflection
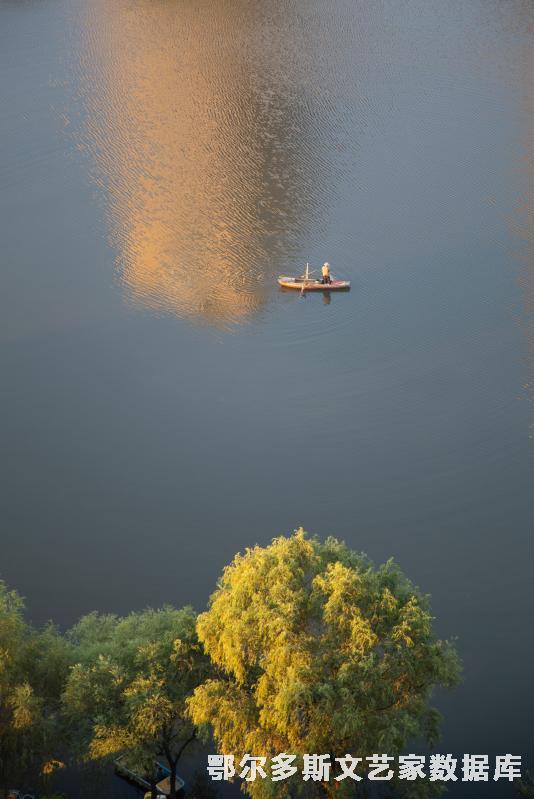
x: 203, y: 153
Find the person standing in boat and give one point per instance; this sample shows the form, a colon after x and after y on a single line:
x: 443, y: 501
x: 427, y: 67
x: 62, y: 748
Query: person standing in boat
x: 325, y: 269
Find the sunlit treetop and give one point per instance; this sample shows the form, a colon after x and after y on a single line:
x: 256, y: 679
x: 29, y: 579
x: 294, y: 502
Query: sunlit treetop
x: 320, y: 652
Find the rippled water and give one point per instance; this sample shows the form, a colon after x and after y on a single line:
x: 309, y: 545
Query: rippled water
x: 165, y: 404
x: 205, y: 124
x: 229, y: 138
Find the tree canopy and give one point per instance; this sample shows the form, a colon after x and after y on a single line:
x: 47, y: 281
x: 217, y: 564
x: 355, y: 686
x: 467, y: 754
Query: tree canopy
x: 33, y: 669
x: 320, y: 652
x: 131, y: 684
x: 306, y: 648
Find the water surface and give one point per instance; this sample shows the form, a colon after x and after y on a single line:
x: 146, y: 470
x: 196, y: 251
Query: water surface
x: 165, y: 405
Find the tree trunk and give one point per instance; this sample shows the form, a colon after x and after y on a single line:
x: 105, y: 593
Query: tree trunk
x: 173, y: 761
x: 172, y: 794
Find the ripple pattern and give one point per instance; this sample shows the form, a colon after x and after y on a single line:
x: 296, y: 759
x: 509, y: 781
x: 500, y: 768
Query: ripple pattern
x: 235, y: 140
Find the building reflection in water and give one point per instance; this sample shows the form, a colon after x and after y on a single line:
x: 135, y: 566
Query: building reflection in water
x: 200, y: 131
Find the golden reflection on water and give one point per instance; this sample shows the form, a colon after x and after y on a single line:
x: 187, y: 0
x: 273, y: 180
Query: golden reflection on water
x: 189, y: 120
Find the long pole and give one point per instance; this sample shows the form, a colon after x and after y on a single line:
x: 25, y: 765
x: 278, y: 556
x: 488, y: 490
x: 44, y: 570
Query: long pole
x: 305, y: 278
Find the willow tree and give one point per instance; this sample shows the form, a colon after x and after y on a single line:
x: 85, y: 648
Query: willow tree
x: 318, y: 652
x: 128, y: 690
x: 33, y: 668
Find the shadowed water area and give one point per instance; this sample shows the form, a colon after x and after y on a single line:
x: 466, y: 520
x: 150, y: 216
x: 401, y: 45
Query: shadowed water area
x: 165, y: 405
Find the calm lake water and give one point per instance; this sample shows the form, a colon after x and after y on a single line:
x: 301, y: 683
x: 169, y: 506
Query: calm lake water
x: 164, y: 405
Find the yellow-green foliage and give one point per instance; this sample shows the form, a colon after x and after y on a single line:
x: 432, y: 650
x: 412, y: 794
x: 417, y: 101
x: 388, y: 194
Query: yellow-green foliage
x: 131, y: 683
x: 33, y: 667
x: 318, y: 652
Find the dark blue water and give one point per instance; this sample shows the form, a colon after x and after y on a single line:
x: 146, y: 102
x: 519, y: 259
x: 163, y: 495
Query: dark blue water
x: 164, y: 404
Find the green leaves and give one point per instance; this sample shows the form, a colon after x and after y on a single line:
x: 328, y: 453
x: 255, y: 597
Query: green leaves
x: 305, y: 647
x: 26, y: 707
x: 318, y: 652
x: 33, y: 667
x: 132, y: 682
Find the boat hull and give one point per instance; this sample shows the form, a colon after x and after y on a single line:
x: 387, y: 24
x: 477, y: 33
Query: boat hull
x: 313, y: 285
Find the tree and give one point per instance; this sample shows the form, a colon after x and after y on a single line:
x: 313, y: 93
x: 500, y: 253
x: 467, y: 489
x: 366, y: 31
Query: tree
x: 525, y: 786
x: 318, y: 652
x: 33, y: 668
x: 131, y: 685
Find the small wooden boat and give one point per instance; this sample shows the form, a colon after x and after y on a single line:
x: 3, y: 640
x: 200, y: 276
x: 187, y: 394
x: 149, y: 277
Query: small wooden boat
x: 162, y: 774
x: 307, y: 283
x: 302, y: 284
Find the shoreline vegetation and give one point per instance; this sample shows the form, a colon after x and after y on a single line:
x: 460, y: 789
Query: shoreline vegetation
x: 305, y: 647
